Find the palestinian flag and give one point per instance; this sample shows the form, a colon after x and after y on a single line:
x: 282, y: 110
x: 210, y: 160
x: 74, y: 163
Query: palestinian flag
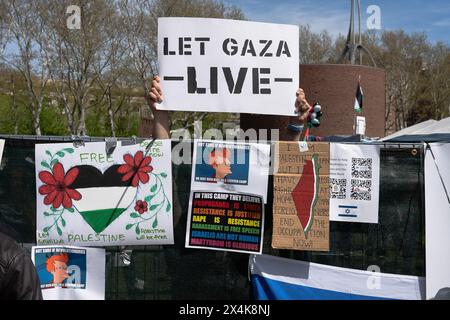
x: 359, y: 97
x: 104, y: 196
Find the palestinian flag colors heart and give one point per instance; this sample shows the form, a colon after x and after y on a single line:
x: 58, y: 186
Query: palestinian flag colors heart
x: 99, y: 197
x: 104, y: 196
x: 306, y: 193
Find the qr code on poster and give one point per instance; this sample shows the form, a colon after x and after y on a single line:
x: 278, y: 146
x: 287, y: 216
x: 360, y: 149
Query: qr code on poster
x: 362, y: 168
x: 338, y: 188
x: 361, y: 190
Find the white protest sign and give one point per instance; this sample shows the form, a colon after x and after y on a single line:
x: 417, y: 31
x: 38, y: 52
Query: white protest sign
x: 228, y: 190
x: 437, y: 218
x: 86, y: 196
x: 235, y: 167
x: 2, y: 145
x: 354, y: 182
x: 70, y: 273
x: 360, y: 125
x: 218, y: 65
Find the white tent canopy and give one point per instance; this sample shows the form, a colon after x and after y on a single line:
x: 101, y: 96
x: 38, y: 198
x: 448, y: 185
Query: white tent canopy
x: 424, y: 128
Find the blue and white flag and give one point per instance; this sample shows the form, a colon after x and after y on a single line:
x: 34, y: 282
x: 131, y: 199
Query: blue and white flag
x: 275, y: 278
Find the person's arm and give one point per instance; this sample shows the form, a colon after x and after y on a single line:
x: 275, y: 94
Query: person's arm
x: 161, y: 128
x: 302, y: 108
x: 22, y: 280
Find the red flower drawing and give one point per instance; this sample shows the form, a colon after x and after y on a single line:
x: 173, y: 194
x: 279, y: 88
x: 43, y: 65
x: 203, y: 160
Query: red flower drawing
x: 141, y: 207
x: 56, y: 187
x: 136, y: 168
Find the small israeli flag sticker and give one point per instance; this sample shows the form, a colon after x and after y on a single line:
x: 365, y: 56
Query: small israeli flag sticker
x: 348, y: 211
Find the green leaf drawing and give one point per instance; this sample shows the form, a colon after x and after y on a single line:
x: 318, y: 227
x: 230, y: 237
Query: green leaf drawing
x: 153, y: 207
x: 69, y: 150
x: 155, y: 223
x: 46, y: 229
x: 129, y: 226
x: 53, y: 209
x: 72, y: 210
x: 63, y: 222
x: 163, y: 174
x: 153, y: 189
x: 45, y: 164
x: 134, y: 215
x: 46, y: 214
x: 49, y: 153
x: 55, y: 161
x: 59, y: 231
x: 169, y: 206
x: 138, y: 231
x: 60, y: 154
x: 148, y: 198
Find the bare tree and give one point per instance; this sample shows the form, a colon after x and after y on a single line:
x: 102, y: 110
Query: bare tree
x: 140, y: 20
x: 315, y: 47
x: 103, y: 70
x: 77, y: 55
x: 402, y: 56
x: 26, y: 53
x: 13, y: 94
x: 112, y: 78
x: 5, y: 25
x: 438, y: 68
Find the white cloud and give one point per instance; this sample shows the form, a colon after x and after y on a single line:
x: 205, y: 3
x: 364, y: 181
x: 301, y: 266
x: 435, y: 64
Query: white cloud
x: 442, y: 23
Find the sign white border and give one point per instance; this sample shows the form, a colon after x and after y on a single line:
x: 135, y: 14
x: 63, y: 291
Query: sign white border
x: 268, y: 52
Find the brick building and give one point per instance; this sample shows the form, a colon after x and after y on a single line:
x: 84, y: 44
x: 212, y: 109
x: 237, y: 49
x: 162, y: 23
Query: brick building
x: 334, y: 87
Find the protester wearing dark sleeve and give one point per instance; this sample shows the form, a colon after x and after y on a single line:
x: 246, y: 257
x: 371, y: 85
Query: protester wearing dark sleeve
x: 18, y: 277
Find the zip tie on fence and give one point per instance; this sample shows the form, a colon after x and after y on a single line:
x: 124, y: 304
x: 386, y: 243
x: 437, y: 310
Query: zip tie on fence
x: 77, y: 141
x: 439, y: 172
x: 110, y: 145
x: 251, y: 259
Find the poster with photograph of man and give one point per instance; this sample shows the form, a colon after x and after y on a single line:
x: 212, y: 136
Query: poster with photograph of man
x: 219, y: 162
x: 70, y: 273
x: 223, y: 166
x: 61, y: 267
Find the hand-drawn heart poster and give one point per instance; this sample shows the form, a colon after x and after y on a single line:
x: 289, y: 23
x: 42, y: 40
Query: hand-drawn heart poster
x: 90, y: 197
x: 70, y: 273
x: 301, y: 196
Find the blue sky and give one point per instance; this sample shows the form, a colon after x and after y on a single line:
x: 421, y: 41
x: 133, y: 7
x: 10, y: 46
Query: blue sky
x: 429, y: 16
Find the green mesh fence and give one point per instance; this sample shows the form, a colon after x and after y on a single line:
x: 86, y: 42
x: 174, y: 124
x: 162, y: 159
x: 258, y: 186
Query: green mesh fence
x: 396, y: 244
